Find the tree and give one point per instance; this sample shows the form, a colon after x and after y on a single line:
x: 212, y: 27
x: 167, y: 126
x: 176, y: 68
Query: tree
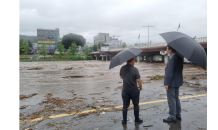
x: 29, y: 43
x: 95, y: 47
x: 25, y: 47
x: 136, y: 44
x: 70, y: 38
x: 61, y: 49
x: 123, y: 45
x: 21, y: 52
x: 32, y: 39
x: 44, y: 50
x: 20, y: 42
x: 99, y: 45
x: 86, y: 50
x: 73, y: 48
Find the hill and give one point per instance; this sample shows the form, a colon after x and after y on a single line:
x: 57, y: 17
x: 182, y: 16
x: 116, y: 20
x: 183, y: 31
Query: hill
x: 32, y: 39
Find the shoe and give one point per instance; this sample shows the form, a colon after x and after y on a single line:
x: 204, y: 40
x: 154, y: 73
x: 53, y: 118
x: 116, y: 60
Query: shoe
x: 124, y: 121
x: 138, y: 121
x: 124, y: 125
x: 169, y: 120
x: 178, y: 118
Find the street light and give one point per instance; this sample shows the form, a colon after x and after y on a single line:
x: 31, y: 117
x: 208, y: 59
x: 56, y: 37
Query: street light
x: 148, y: 31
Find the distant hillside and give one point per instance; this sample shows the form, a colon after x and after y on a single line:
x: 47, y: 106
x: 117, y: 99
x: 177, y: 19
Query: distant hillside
x: 32, y: 39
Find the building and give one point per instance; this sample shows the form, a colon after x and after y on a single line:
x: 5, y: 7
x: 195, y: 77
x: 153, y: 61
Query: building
x: 114, y: 44
x: 102, y: 37
x: 49, y: 36
x: 35, y: 46
x: 89, y: 44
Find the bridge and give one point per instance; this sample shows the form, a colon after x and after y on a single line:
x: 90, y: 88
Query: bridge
x: 151, y: 52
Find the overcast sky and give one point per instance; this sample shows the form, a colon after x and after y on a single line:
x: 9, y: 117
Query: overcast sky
x: 124, y: 18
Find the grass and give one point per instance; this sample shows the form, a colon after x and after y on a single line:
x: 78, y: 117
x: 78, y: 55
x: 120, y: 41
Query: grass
x: 55, y: 58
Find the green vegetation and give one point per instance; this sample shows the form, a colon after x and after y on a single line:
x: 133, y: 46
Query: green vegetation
x: 44, y: 50
x: 28, y: 42
x: 72, y: 49
x: 124, y: 45
x: 70, y: 38
x: 99, y: 45
x: 24, y: 47
x: 95, y: 47
x: 86, y: 50
x: 32, y: 39
x: 57, y: 58
x: 61, y: 49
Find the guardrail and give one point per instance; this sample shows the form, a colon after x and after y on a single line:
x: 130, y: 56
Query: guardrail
x: 200, y: 39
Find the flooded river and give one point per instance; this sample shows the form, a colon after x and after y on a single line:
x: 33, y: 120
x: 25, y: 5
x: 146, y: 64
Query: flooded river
x: 51, y: 89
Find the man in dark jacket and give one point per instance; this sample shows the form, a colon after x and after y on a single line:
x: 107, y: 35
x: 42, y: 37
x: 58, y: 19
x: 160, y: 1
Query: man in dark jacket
x: 130, y: 76
x: 172, y: 81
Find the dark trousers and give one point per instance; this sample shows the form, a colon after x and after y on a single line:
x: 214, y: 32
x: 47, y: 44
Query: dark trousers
x: 174, y: 102
x: 126, y: 96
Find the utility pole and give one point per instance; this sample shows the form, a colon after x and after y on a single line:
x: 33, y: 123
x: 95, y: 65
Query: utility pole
x: 148, y: 31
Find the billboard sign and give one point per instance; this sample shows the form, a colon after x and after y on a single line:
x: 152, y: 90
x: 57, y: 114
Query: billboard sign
x: 47, y: 42
x: 104, y: 48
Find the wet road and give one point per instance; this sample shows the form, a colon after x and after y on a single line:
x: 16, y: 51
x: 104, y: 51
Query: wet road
x: 98, y: 88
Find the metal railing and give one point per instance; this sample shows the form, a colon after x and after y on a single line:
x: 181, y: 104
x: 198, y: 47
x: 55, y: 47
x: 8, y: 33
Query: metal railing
x: 200, y: 39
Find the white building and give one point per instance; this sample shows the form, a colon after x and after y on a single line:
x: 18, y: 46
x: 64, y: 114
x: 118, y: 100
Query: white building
x: 101, y: 37
x: 89, y: 44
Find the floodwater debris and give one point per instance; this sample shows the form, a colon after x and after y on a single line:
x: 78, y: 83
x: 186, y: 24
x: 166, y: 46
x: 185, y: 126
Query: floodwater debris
x: 148, y: 126
x: 119, y: 87
x: 75, y: 76
x: 96, y: 93
x: 71, y: 91
x: 102, y: 113
x: 35, y: 68
x: 27, y: 96
x: 129, y: 119
x: 156, y: 77
x: 24, y: 106
x: 69, y: 68
x: 83, y: 114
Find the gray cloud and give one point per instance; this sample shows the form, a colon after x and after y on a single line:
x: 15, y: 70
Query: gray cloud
x: 122, y: 18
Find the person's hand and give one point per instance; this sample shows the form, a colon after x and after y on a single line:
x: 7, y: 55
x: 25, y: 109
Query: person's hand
x: 165, y: 66
x: 141, y: 89
x: 167, y: 88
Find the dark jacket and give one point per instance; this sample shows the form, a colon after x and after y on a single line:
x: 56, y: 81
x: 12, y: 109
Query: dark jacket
x: 173, y: 73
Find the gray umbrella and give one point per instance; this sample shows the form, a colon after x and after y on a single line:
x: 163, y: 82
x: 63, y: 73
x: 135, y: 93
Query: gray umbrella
x: 124, y: 56
x: 187, y: 47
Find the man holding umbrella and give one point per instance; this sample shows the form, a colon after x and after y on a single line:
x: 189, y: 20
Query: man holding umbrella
x: 189, y: 48
x: 172, y: 81
x: 130, y: 76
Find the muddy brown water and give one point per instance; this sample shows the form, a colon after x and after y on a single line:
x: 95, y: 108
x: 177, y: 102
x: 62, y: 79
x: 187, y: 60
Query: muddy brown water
x: 91, y: 81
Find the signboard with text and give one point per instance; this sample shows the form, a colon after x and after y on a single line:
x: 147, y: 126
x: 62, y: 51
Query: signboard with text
x: 47, y: 42
x: 104, y: 48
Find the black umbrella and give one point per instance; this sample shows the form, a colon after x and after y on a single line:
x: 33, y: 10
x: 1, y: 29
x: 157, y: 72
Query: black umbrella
x: 124, y: 56
x: 187, y: 47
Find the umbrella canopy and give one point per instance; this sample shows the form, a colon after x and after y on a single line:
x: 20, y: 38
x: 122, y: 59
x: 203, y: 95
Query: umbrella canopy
x: 124, y: 56
x: 187, y: 47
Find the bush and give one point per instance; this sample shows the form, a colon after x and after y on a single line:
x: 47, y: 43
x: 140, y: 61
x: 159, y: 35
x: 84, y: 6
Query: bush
x: 89, y: 58
x: 81, y: 58
x: 74, y: 58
